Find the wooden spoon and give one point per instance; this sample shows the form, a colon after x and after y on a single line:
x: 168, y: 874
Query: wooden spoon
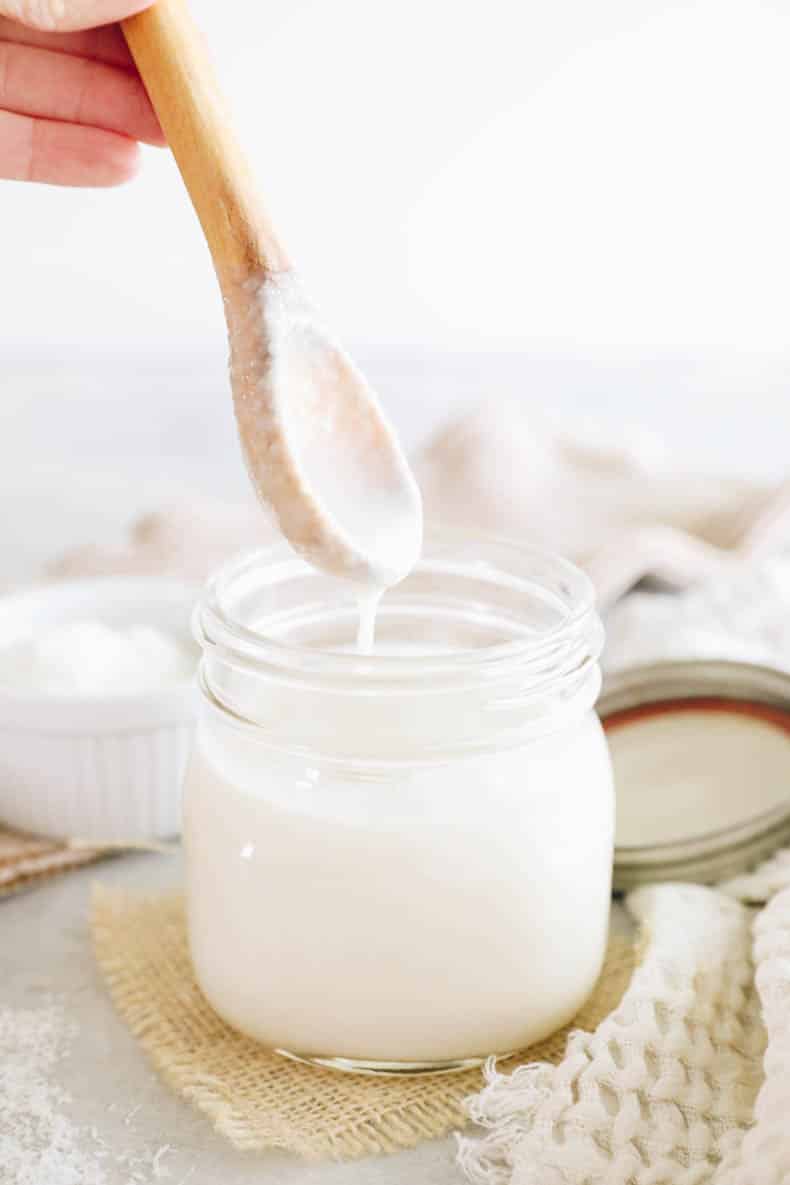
x: 319, y: 450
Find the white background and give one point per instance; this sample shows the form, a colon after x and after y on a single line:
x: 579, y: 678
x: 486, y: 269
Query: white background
x: 588, y: 176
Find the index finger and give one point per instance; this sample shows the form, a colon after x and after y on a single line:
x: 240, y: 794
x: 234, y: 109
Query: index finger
x: 106, y: 44
x: 66, y: 16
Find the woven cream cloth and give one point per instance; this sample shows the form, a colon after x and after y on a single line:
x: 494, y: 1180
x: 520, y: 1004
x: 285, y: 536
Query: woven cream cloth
x: 764, y: 1153
x: 687, y: 1082
x: 255, y: 1098
x: 620, y: 503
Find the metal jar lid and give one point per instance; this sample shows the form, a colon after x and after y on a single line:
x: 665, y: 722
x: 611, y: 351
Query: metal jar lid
x: 719, y: 852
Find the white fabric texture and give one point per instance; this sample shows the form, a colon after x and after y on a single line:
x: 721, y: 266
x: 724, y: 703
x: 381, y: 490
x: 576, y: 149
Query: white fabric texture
x: 741, y: 615
x: 763, y: 1155
x: 686, y: 1083
x: 623, y: 509
x: 666, y: 1086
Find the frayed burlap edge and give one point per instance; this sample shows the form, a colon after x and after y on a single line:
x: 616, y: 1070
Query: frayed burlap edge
x: 255, y: 1098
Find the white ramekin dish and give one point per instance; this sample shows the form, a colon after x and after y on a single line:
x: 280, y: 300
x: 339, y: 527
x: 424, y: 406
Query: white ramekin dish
x: 98, y: 768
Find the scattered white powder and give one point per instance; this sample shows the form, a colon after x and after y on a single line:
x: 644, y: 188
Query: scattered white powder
x: 157, y: 1163
x: 39, y: 1145
x: 90, y: 658
x: 129, y: 1119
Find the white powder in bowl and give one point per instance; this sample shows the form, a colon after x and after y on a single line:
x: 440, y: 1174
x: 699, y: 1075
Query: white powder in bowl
x: 91, y: 658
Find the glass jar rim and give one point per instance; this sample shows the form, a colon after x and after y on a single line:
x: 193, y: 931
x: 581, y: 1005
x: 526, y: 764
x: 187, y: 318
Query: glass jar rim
x: 577, y: 634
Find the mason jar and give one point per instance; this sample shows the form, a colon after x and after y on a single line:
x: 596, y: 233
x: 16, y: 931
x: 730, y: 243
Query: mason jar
x: 400, y: 861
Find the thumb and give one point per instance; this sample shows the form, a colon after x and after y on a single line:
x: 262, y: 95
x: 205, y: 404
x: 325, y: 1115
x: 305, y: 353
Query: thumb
x: 64, y: 16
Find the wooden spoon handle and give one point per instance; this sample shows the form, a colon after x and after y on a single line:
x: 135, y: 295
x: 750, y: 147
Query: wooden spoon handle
x: 172, y: 57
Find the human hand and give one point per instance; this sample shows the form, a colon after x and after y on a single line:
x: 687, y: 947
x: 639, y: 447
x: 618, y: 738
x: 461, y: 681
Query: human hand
x: 72, y: 105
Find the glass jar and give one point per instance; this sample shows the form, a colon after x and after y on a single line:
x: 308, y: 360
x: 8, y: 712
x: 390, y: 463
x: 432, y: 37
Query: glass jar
x: 400, y: 862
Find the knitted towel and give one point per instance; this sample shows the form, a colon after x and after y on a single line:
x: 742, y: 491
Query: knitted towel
x: 664, y: 1090
x: 764, y: 1154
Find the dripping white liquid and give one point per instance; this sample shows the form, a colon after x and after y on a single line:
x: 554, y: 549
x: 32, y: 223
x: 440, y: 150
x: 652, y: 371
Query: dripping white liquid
x: 367, y: 607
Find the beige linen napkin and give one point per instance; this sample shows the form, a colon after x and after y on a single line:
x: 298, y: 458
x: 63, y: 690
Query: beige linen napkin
x: 618, y: 504
x: 187, y: 540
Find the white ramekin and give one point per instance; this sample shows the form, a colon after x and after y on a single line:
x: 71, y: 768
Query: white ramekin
x: 105, y: 769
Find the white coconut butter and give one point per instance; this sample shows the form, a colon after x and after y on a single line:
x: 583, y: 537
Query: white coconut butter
x: 405, y: 857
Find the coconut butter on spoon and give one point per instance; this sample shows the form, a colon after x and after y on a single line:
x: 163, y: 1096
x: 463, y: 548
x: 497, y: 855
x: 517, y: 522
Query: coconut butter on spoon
x: 319, y: 450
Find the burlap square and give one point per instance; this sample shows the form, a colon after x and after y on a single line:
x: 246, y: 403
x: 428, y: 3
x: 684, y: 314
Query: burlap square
x: 258, y: 1099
